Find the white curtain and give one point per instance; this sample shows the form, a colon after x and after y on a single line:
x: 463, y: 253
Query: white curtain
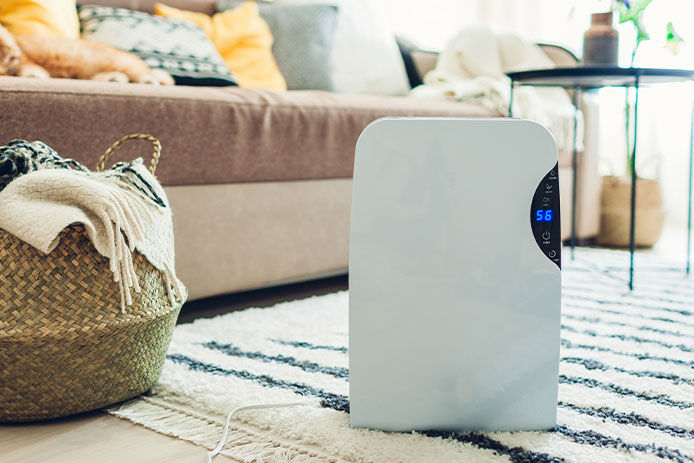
x: 432, y: 23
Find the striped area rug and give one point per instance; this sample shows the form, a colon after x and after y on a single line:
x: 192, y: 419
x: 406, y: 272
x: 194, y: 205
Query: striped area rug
x: 626, y: 385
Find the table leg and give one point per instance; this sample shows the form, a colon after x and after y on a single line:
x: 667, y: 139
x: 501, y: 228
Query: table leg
x: 689, y: 211
x: 632, y: 225
x: 510, y: 101
x: 574, y: 167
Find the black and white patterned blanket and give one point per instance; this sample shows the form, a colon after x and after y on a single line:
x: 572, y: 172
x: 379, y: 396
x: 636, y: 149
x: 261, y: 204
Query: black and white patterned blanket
x: 626, y: 385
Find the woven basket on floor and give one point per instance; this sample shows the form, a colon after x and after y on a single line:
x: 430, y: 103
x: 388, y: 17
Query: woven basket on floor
x: 65, y: 345
x: 615, y: 212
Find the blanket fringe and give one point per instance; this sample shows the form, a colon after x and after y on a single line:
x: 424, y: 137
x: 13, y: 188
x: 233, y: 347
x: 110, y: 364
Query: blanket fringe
x: 125, y: 232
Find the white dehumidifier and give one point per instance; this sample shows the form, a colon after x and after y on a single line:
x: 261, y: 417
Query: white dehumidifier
x: 454, y: 276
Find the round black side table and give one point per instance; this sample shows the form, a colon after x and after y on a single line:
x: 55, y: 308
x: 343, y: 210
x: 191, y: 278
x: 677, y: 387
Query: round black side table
x: 594, y: 77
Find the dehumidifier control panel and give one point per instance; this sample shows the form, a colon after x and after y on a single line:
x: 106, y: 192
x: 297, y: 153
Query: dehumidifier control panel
x: 544, y: 216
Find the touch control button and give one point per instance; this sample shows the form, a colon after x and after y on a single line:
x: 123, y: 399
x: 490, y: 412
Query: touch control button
x: 546, y: 235
x: 552, y: 253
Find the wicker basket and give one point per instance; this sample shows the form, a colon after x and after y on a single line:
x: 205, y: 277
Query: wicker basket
x: 65, y: 345
x: 615, y: 212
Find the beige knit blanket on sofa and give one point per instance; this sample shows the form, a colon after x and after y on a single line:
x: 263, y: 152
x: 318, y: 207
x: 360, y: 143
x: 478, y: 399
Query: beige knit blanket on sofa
x: 473, y: 66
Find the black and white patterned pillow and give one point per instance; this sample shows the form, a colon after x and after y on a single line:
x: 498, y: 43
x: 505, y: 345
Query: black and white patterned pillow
x: 178, y: 47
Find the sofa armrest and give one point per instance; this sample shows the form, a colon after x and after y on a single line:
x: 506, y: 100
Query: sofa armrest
x: 561, y: 56
x: 424, y: 61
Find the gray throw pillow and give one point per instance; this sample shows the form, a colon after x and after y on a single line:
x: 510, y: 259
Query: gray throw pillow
x: 303, y: 41
x: 178, y: 47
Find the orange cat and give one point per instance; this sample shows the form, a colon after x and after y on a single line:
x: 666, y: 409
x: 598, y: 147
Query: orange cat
x: 37, y: 56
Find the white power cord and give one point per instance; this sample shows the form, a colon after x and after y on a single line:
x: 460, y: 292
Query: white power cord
x: 220, y: 446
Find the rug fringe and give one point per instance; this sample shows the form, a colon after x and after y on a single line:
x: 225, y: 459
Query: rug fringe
x: 174, y: 422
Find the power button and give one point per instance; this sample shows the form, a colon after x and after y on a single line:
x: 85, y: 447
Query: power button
x: 546, y: 235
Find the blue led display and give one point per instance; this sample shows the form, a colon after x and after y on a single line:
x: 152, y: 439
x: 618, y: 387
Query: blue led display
x: 544, y: 215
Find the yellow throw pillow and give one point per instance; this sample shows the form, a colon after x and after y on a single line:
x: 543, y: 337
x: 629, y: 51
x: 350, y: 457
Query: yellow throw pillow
x: 242, y: 38
x: 57, y: 18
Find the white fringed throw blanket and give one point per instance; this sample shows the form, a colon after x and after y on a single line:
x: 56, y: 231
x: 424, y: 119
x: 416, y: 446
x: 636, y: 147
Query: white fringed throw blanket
x: 122, y: 209
x: 473, y: 67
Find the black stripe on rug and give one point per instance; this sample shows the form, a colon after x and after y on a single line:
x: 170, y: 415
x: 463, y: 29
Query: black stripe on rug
x: 625, y: 304
x: 309, y: 346
x: 620, y: 273
x: 625, y: 392
x: 631, y: 419
x: 593, y: 308
x: 328, y: 399
x: 647, y: 296
x: 591, y: 364
x: 676, y: 284
x: 625, y: 337
x: 602, y: 321
x: 599, y: 440
x: 310, y: 367
x: 516, y: 454
x: 643, y: 356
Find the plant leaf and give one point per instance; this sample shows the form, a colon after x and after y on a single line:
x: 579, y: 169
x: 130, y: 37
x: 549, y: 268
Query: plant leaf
x: 672, y: 39
x: 641, y: 32
x: 632, y: 10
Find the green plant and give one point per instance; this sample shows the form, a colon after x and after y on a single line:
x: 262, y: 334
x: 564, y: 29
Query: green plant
x: 632, y: 11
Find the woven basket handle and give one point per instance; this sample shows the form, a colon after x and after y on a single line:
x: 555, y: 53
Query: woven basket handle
x: 134, y: 136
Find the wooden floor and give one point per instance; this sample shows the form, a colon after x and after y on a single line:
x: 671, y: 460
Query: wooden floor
x: 101, y: 438
x: 94, y: 437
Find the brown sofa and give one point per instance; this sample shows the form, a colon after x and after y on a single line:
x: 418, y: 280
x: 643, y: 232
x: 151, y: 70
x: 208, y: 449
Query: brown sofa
x: 259, y: 181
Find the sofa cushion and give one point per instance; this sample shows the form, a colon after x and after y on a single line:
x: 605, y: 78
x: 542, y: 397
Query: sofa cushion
x: 203, y: 6
x: 209, y: 135
x: 55, y: 18
x: 303, y: 41
x: 178, y: 47
x: 365, y: 58
x: 242, y: 38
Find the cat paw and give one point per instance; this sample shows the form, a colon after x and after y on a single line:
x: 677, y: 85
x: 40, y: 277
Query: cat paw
x: 157, y: 77
x: 33, y: 71
x: 149, y: 79
x: 8, y: 64
x: 114, y: 76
